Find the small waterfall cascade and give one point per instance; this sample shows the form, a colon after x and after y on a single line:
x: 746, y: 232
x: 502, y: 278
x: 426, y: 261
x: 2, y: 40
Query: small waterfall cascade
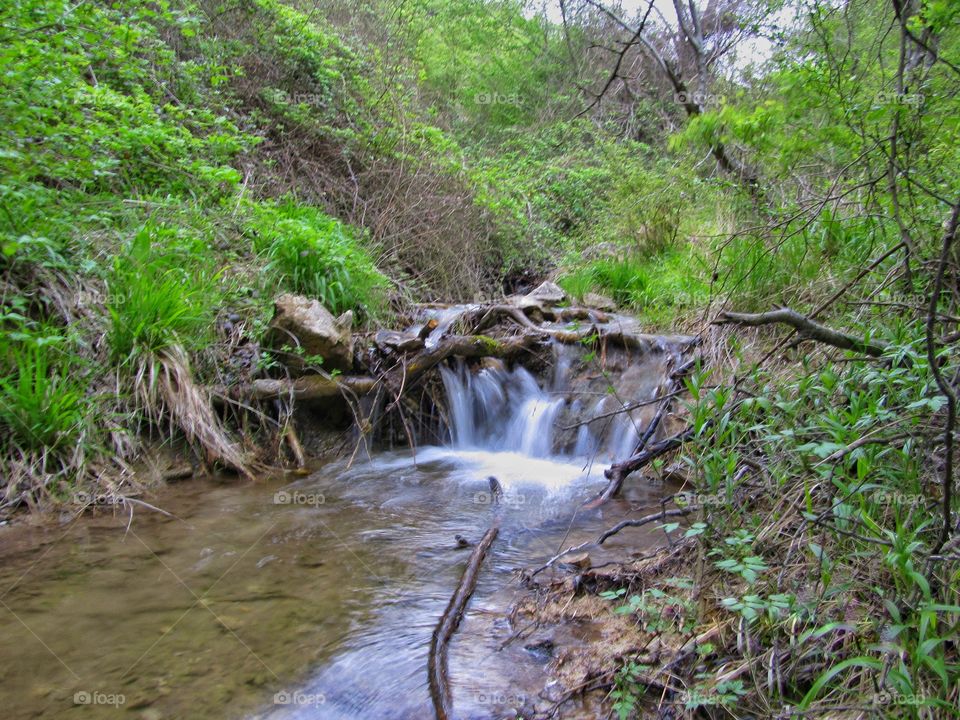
x: 495, y: 409
x: 500, y: 410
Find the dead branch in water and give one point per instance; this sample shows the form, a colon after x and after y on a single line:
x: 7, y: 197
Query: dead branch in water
x: 617, y: 472
x: 807, y: 328
x: 437, y: 663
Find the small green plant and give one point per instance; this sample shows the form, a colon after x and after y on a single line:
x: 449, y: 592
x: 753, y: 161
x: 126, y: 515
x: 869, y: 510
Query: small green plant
x: 311, y: 253
x: 627, y: 690
x: 658, y: 610
x: 42, y: 397
x: 738, y: 558
x: 158, y: 298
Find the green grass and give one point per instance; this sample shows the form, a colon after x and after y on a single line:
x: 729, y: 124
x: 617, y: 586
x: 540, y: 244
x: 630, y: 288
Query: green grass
x: 660, y: 289
x: 42, y: 396
x: 159, y: 297
x: 308, y: 252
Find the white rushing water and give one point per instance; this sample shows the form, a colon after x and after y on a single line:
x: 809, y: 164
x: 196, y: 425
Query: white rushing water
x: 496, y: 410
x: 501, y: 410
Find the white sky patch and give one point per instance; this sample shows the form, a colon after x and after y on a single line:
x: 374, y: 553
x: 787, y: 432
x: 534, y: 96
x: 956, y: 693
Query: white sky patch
x: 752, y: 51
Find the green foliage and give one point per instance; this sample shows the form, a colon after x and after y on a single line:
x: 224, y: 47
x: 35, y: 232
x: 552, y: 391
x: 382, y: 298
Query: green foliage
x: 81, y: 77
x: 43, y: 404
x: 308, y: 252
x: 627, y: 691
x: 757, y: 271
x: 874, y: 524
x: 160, y: 295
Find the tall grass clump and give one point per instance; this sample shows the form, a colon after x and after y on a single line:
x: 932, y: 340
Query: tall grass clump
x: 157, y: 298
x: 624, y: 279
x: 313, y: 254
x: 162, y: 303
x: 46, y: 431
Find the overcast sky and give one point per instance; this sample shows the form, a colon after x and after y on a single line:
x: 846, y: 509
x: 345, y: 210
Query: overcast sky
x: 752, y: 51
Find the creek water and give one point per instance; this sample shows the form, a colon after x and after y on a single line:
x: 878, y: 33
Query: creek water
x: 311, y: 598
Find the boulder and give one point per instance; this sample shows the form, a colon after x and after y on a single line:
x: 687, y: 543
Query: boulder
x: 599, y: 302
x: 301, y: 322
x: 548, y: 293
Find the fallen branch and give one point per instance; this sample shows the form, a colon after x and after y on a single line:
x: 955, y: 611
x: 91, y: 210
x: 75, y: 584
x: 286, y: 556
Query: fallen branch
x: 466, y: 346
x: 437, y: 663
x: 618, y: 472
x: 322, y: 387
x: 646, y: 519
x: 311, y: 387
x: 807, y: 328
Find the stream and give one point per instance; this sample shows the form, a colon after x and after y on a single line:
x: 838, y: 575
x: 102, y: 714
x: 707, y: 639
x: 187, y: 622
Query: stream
x: 313, y: 596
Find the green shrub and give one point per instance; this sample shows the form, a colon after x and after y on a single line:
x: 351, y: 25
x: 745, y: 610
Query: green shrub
x: 311, y: 253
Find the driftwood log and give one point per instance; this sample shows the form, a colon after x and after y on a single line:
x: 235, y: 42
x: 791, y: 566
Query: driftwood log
x: 311, y: 387
x: 323, y: 387
x: 437, y: 663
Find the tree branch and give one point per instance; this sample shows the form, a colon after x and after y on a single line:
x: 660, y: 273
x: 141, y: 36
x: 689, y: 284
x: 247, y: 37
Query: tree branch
x: 807, y: 328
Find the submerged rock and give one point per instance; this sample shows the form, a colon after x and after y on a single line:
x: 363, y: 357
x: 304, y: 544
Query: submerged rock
x: 301, y: 322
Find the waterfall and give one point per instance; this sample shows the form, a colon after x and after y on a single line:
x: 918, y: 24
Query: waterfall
x: 503, y: 410
x: 568, y: 414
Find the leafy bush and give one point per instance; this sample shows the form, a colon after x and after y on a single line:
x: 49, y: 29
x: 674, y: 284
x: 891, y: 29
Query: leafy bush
x: 311, y: 253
